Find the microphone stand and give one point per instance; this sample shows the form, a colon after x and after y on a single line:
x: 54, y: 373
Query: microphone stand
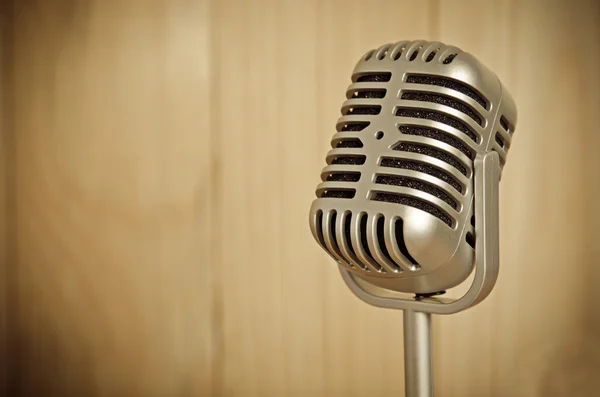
x: 418, y: 374
x: 418, y: 310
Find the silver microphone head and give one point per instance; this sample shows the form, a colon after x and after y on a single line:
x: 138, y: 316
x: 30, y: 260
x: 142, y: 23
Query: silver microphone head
x: 395, y: 207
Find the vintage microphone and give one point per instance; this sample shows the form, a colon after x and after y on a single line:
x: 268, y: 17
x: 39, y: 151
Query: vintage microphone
x: 409, y: 198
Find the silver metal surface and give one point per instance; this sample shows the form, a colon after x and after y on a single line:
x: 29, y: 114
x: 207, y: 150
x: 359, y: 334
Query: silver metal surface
x: 418, y: 376
x: 429, y: 251
x: 419, y: 151
x: 417, y: 311
x: 486, y: 178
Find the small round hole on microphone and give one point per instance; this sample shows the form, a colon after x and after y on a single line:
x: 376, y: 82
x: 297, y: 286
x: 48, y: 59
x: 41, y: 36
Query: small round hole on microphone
x: 415, y: 53
x: 449, y: 58
x: 431, y: 56
x: 399, y: 53
x: 383, y: 53
x: 379, y: 135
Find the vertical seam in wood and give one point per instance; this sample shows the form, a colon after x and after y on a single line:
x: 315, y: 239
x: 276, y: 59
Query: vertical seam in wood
x: 279, y: 176
x: 217, y: 338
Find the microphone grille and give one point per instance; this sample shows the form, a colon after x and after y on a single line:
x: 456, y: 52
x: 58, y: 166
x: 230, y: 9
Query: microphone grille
x: 416, y: 115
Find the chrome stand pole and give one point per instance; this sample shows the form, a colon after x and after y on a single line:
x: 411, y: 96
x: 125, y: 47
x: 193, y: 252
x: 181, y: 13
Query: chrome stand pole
x: 418, y: 374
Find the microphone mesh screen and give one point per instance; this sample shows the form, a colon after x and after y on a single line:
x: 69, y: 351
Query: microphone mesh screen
x: 433, y: 152
x: 339, y: 193
x: 418, y: 185
x: 363, y: 110
x: 439, y: 135
x: 437, y: 116
x: 349, y: 143
x: 355, y: 126
x: 447, y: 83
x: 344, y: 177
x: 424, y: 168
x: 369, y: 94
x: 413, y: 202
x: 350, y: 160
x: 374, y: 77
x: 400, y: 169
x: 442, y: 100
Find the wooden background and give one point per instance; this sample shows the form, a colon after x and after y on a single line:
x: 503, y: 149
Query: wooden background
x: 157, y: 162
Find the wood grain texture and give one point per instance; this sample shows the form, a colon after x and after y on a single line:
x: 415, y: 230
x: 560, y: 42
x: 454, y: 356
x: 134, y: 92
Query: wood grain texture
x: 158, y: 159
x: 6, y: 271
x: 290, y: 325
x: 114, y: 198
x: 534, y: 317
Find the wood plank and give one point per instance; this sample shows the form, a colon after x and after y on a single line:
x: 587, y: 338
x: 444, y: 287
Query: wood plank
x: 167, y: 153
x: 6, y: 269
x: 520, y: 341
x: 575, y: 366
x: 590, y: 120
x: 260, y: 105
x: 291, y: 326
x: 113, y: 135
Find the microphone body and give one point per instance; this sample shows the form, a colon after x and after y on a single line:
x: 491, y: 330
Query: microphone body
x: 409, y: 198
x: 395, y: 207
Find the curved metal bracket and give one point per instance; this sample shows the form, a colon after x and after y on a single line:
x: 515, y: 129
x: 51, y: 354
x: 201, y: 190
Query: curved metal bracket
x: 487, y: 177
